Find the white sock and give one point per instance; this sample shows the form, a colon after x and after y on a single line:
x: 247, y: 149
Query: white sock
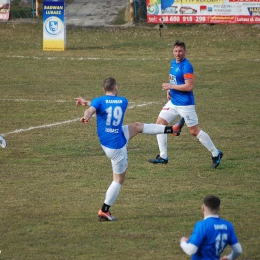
x: 153, y: 129
x: 162, y: 143
x: 207, y: 142
x: 112, y: 193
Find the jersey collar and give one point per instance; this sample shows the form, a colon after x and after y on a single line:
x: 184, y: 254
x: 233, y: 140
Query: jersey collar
x: 212, y: 216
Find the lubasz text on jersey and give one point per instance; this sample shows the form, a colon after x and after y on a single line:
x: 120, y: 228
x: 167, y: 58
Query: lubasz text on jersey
x: 112, y: 130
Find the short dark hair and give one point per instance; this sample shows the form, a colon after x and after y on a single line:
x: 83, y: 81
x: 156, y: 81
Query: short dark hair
x: 109, y: 84
x: 212, y: 202
x: 179, y: 44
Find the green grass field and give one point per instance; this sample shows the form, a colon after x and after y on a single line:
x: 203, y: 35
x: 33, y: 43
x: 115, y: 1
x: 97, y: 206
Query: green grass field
x: 54, y: 174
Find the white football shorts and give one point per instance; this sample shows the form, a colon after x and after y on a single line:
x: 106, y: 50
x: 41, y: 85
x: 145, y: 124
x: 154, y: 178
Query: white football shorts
x: 119, y: 157
x: 169, y: 112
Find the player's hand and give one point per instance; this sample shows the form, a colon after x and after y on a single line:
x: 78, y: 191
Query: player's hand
x: 224, y: 257
x: 184, y: 239
x: 166, y: 86
x: 80, y: 101
x: 84, y: 120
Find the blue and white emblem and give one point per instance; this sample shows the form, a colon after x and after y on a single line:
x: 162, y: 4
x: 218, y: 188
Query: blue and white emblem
x: 53, y: 26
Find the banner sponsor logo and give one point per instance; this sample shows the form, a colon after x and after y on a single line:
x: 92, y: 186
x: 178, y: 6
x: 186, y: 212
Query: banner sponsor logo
x: 4, y: 9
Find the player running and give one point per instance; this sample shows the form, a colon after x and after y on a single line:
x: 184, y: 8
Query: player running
x: 181, y: 102
x: 212, y: 235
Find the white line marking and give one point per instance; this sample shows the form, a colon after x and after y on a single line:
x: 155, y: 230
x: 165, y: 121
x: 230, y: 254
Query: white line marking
x: 98, y: 58
x: 78, y: 58
x: 68, y: 121
x: 42, y: 126
x: 30, y: 100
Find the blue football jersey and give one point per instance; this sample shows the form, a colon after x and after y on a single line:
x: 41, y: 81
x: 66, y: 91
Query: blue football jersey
x: 211, y: 236
x: 110, y: 112
x: 179, y: 72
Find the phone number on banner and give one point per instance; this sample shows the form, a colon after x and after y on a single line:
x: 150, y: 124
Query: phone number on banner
x: 171, y: 19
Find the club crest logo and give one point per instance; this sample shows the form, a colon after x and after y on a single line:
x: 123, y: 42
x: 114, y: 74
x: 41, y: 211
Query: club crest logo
x: 53, y: 26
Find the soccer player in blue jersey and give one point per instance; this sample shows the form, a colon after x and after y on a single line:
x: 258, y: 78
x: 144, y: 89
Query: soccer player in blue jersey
x: 113, y: 135
x: 211, y: 235
x: 181, y: 102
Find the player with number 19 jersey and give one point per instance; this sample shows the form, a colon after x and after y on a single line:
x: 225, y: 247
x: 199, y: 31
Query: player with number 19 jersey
x: 179, y: 72
x: 110, y: 111
x: 217, y: 232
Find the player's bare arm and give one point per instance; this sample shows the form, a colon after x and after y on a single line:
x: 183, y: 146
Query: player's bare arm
x: 82, y: 102
x: 188, y: 86
x: 88, y: 114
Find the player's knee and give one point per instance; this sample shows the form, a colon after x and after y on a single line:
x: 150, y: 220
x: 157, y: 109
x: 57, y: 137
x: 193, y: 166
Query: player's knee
x: 119, y: 177
x: 161, y: 121
x: 139, y: 126
x: 194, y: 131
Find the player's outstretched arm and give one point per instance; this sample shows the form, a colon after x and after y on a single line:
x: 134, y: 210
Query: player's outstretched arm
x: 88, y: 114
x: 82, y: 102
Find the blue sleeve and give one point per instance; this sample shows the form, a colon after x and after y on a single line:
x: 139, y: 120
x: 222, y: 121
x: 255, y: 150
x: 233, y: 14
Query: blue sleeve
x: 188, y: 71
x: 95, y: 103
x: 233, y: 237
x: 197, y: 235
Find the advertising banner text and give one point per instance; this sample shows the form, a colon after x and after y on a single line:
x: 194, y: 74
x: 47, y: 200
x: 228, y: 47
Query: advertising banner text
x: 203, y: 11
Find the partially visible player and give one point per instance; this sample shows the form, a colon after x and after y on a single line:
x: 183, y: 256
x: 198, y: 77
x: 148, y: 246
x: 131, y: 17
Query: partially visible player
x: 2, y: 142
x: 113, y: 136
x: 211, y: 235
x: 181, y: 102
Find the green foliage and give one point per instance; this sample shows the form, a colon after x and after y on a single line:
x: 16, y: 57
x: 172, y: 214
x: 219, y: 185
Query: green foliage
x: 54, y: 177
